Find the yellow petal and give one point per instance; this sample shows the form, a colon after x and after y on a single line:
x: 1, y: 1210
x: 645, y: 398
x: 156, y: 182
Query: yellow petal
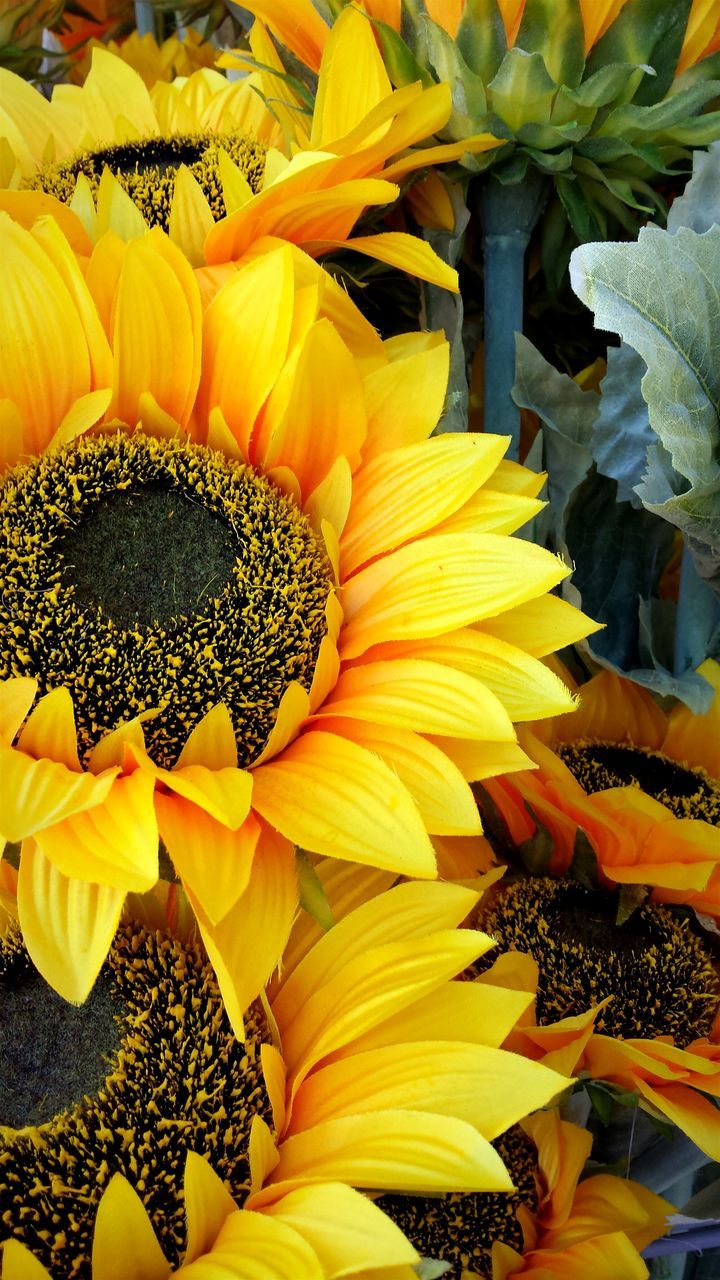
x: 46, y: 364
x: 324, y: 416
x: 116, y: 211
x: 213, y: 862
x: 491, y: 512
x: 441, y: 474
x: 248, y: 943
x: 212, y: 742
x: 412, y: 908
x: 344, y: 1228
x: 395, y: 249
x: 67, y: 925
x: 405, y: 398
x: 478, y: 760
x: 190, y: 216
x: 252, y: 1246
x: 115, y: 843
x: 224, y: 794
x: 352, y: 78
x: 541, y: 626
x: 396, y: 1150
x: 471, y: 1011
x: 157, y: 324
x: 16, y: 698
x: 416, y: 694
x: 487, y: 1087
x: 19, y: 1264
x: 81, y: 416
x: 124, y: 1244
x: 11, y: 434
x: 331, y: 796
x: 298, y: 26
x: 245, y: 337
x: 48, y: 235
x: 370, y: 989
x: 526, y: 688
x: 441, y: 794
x: 293, y: 709
x: 440, y: 583
x: 112, y: 89
x: 39, y: 793
x: 50, y: 730
x: 207, y: 1204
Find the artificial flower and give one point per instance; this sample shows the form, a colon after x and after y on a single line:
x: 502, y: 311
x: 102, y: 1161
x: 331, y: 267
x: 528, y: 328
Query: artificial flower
x: 228, y: 627
x: 641, y: 786
x: 176, y: 55
x: 205, y: 159
x: 366, y: 1067
x: 628, y: 998
x: 552, y: 1225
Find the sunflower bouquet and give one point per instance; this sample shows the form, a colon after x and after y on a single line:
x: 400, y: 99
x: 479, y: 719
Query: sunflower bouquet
x: 360, y: 659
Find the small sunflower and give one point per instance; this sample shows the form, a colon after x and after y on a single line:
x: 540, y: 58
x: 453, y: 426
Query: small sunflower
x: 642, y: 786
x: 164, y: 1139
x: 633, y: 1003
x: 223, y: 623
x: 550, y: 1225
x: 207, y: 161
x: 177, y: 55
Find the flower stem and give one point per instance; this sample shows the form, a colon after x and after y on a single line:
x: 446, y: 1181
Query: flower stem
x: 509, y: 214
x: 147, y: 19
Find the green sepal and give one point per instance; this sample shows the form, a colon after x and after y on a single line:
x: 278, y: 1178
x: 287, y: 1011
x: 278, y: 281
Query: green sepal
x: 431, y: 1269
x: 551, y: 161
x: 584, y: 864
x: 535, y: 853
x: 401, y: 64
x: 607, y: 84
x: 522, y: 91
x: 697, y: 133
x: 311, y: 893
x: 554, y: 29
x: 631, y: 897
x: 629, y: 119
x: 469, y: 98
x: 481, y: 37
x: 648, y: 33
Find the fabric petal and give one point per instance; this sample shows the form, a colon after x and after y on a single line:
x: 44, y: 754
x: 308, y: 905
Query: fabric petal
x: 352, y: 78
x: 224, y: 794
x: 68, y: 925
x: 346, y: 1230
x: 18, y: 1263
x: 440, y: 583
x: 207, y: 1204
x: 16, y: 698
x: 405, y: 396
x: 252, y: 1246
x: 331, y: 796
x: 540, y: 626
x: 124, y: 1244
x: 214, y: 863
x: 471, y: 1011
x: 39, y: 793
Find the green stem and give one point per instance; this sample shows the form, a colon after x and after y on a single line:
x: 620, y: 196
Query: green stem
x: 509, y: 214
x: 148, y: 19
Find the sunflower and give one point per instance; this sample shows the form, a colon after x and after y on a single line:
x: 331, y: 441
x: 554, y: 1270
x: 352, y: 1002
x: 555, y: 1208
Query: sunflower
x: 206, y: 160
x: 177, y: 55
x: 140, y: 1135
x: 550, y: 1225
x: 642, y: 787
x: 632, y: 1004
x: 228, y: 626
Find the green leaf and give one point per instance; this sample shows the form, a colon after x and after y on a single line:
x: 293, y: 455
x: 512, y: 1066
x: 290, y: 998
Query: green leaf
x: 567, y: 414
x: 431, y: 1269
x: 554, y: 29
x: 481, y: 37
x: 622, y: 433
x: 602, y: 1100
x: 630, y: 119
x: 522, y: 92
x: 662, y: 295
x: 311, y: 892
x: 444, y: 310
x: 645, y: 32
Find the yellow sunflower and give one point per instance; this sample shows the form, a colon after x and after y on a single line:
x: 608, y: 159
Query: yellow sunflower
x: 140, y: 1139
x: 632, y: 1003
x: 229, y: 627
x: 642, y: 786
x: 207, y: 161
x: 177, y: 55
x: 551, y: 1225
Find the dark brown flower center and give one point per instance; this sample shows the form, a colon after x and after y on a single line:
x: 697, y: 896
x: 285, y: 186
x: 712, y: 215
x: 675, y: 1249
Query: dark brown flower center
x: 688, y: 792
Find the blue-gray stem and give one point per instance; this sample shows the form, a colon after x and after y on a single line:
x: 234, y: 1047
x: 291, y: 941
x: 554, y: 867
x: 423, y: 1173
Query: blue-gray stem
x: 698, y: 613
x: 147, y: 19
x: 509, y: 214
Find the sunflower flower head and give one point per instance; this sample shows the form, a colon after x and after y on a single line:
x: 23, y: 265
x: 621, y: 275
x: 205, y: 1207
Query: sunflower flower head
x: 592, y: 97
x: 169, y: 1133
x: 213, y: 165
x: 226, y: 629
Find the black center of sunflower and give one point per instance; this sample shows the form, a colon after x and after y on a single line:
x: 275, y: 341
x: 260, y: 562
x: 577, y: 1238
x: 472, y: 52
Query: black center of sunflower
x: 155, y: 576
x: 460, y: 1229
x: 687, y: 791
x: 146, y: 169
x: 178, y: 1082
x: 146, y: 557
x: 659, y: 970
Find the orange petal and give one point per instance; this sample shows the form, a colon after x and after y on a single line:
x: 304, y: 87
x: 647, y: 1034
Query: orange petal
x: 213, y: 862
